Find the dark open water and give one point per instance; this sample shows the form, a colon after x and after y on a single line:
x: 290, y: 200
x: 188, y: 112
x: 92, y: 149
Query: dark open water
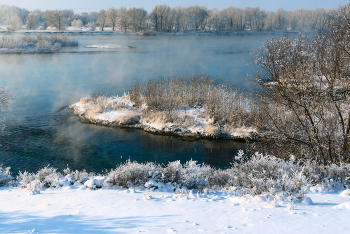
x: 41, y: 130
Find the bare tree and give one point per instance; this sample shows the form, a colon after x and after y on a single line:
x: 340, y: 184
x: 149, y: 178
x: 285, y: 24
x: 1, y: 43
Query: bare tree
x: 229, y: 14
x: 281, y: 18
x: 58, y: 18
x: 101, y: 19
x: 123, y: 19
x: 32, y: 20
x: 112, y: 17
x: 159, y: 16
x: 177, y: 15
x: 305, y: 99
x: 198, y: 15
x: 137, y: 18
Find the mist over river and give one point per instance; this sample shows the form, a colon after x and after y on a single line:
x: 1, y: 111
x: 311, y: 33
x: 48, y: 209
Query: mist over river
x: 41, y: 130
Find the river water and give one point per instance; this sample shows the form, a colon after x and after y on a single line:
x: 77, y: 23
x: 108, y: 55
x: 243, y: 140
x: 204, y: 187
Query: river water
x: 41, y: 131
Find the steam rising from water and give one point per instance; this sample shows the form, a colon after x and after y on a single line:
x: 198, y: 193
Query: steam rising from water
x: 41, y: 130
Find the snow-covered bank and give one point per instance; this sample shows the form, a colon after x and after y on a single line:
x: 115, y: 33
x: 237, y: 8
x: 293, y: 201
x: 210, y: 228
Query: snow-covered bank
x: 87, y: 31
x: 261, y: 195
x: 187, y: 122
x: 78, y: 210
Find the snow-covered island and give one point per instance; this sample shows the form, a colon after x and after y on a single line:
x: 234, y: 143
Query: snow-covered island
x: 187, y: 113
x: 37, y: 43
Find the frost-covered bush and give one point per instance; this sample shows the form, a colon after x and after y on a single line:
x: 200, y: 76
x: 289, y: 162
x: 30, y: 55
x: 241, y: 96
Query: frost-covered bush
x: 268, y: 174
x: 256, y: 175
x: 49, y: 177
x: 7, y: 42
x: 47, y: 46
x: 63, y: 40
x: 130, y: 173
x: 5, y: 175
x: 223, y: 104
x: 44, y: 178
x: 194, y: 176
x: 76, y: 176
x: 38, y: 42
x: 329, y: 177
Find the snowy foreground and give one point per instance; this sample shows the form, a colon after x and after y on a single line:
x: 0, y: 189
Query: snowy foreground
x: 120, y: 111
x: 75, y: 209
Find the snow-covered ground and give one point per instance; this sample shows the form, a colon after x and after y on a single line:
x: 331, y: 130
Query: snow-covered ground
x: 79, y: 210
x: 191, y: 122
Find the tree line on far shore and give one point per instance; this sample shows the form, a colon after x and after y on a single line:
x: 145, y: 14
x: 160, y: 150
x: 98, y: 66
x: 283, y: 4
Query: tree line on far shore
x: 163, y: 18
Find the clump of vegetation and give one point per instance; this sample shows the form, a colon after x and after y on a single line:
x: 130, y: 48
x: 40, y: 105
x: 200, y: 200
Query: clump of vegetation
x: 36, y: 43
x: 222, y: 104
x: 304, y: 94
x: 255, y: 175
x: 5, y: 176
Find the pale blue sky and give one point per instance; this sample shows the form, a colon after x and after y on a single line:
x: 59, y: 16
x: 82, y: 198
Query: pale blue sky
x: 96, y: 5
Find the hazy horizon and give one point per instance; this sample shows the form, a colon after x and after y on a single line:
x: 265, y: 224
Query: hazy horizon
x: 88, y: 6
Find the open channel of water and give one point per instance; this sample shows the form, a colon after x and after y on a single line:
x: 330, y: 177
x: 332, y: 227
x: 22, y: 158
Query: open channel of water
x: 41, y: 131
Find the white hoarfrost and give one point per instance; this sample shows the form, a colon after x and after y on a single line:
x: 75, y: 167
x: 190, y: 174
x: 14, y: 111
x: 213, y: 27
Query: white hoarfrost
x: 115, y: 111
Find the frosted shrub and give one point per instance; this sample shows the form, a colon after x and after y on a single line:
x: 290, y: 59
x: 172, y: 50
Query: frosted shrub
x: 39, y: 42
x: 194, y: 176
x: 63, y: 40
x: 5, y: 176
x: 223, y: 104
x: 329, y: 177
x: 85, y: 99
x: 12, y: 42
x: 268, y: 174
x: 256, y: 175
x: 76, y: 176
x: 44, y: 178
x: 129, y: 118
x: 172, y: 172
x: 47, y: 46
x: 132, y: 173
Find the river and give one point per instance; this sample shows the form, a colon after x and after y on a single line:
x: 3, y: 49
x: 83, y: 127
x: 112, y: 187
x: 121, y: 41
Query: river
x: 41, y: 131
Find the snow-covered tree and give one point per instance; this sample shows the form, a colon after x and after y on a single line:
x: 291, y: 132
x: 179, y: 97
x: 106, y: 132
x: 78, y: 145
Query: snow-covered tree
x: 101, y: 19
x: 198, y: 15
x: 33, y: 20
x: 159, y: 16
x: 77, y: 23
x: 112, y: 17
x: 137, y: 18
x: 58, y: 18
x: 123, y: 19
x: 15, y: 22
x: 229, y: 15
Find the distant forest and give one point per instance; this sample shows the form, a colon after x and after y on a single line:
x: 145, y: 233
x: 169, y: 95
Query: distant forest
x: 163, y: 18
